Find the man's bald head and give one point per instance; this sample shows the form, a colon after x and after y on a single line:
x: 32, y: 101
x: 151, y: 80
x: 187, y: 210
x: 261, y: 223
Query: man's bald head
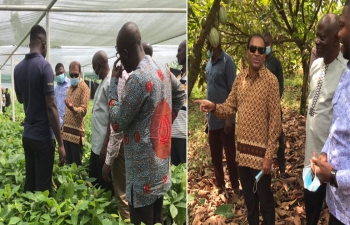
x: 99, y: 57
x: 327, y: 40
x: 147, y: 47
x: 181, y: 54
x: 331, y: 21
x: 100, y: 64
x: 75, y: 64
x: 129, y: 46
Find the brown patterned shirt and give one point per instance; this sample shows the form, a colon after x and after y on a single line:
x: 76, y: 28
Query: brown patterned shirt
x: 73, y: 121
x: 257, y: 103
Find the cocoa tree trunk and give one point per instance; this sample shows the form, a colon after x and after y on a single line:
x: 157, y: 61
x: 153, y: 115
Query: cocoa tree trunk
x: 196, y: 59
x: 304, y: 88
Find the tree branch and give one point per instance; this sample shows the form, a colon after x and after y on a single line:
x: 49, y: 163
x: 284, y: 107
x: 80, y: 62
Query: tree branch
x: 280, y: 10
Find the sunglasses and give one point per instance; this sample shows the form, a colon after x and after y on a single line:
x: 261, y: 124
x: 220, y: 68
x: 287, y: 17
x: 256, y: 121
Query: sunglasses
x: 253, y: 49
x: 74, y: 75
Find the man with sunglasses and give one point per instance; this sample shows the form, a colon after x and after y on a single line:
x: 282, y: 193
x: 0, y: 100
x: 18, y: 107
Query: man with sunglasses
x: 325, y: 74
x: 34, y: 86
x: 255, y: 97
x: 77, y: 101
x: 220, y: 73
x: 153, y: 97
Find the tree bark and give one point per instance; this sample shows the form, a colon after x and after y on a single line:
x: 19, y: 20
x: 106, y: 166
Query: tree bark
x: 196, y: 59
x: 304, y: 88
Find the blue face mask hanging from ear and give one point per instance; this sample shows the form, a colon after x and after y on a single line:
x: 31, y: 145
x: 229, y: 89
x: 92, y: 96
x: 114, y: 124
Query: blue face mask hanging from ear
x: 210, y: 53
x: 97, y: 76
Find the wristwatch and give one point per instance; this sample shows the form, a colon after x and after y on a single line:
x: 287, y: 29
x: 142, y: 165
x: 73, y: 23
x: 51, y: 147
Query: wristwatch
x: 333, y: 178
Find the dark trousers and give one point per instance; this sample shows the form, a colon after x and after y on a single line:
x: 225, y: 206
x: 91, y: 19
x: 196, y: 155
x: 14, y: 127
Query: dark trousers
x: 263, y: 196
x: 334, y: 221
x: 281, y: 154
x: 149, y: 215
x: 39, y: 158
x: 74, y: 152
x: 178, y: 151
x: 313, y: 204
x: 3, y: 109
x: 95, y: 170
x: 218, y: 139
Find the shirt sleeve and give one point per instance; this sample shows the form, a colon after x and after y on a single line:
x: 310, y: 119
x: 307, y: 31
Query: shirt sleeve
x: 18, y: 93
x: 48, y: 80
x: 343, y: 181
x: 84, y: 101
x: 124, y: 111
x: 280, y: 78
x: 115, y: 140
x: 275, y: 124
x: 229, y: 107
x: 178, y: 95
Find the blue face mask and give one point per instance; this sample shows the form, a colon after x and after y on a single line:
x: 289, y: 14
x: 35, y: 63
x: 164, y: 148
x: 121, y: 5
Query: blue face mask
x: 60, y: 78
x: 268, y: 50
x: 74, y: 81
x: 311, y: 185
x: 209, y: 54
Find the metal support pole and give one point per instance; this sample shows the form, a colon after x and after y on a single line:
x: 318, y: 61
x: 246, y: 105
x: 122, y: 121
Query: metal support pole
x: 1, y: 96
x: 12, y: 90
x: 48, y: 45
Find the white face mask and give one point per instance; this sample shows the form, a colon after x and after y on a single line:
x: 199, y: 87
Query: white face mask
x: 311, y: 185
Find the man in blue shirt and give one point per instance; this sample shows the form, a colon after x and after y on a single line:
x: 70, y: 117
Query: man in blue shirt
x: 63, y: 83
x: 333, y: 164
x: 34, y: 88
x: 220, y: 74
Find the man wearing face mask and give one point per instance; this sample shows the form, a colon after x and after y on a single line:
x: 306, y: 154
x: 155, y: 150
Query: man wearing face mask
x: 100, y: 120
x: 220, y: 74
x: 63, y: 83
x: 77, y: 101
x: 274, y: 65
x: 255, y: 98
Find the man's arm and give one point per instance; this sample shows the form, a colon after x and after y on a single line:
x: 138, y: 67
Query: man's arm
x: 18, y: 93
x: 124, y: 112
x: 280, y: 78
x: 178, y: 95
x: 103, y: 150
x: 52, y: 113
x: 82, y: 109
x: 274, y: 122
x: 229, y: 107
x: 230, y: 74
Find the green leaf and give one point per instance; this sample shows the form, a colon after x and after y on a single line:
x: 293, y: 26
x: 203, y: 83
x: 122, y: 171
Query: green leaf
x: 69, y: 191
x: 85, y: 219
x: 14, y: 220
x: 181, y: 205
x: 225, y: 210
x: 181, y: 216
x: 173, y: 211
x: 59, y: 192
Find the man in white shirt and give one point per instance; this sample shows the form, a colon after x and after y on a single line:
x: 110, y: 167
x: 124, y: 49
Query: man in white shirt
x: 325, y: 74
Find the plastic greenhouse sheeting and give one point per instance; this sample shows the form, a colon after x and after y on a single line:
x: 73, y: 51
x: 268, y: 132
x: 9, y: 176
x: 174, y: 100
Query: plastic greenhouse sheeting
x: 78, y: 35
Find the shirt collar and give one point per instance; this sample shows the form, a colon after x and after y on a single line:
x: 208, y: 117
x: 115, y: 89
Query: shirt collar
x: 260, y: 72
x: 220, y: 57
x: 32, y: 55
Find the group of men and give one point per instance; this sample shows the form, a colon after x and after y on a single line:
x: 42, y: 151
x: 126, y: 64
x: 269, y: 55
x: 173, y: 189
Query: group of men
x: 5, y: 99
x: 134, y: 108
x: 255, y: 95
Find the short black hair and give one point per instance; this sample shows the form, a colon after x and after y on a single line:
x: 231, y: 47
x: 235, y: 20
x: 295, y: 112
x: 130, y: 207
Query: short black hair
x: 37, y: 33
x: 59, y: 65
x: 255, y: 35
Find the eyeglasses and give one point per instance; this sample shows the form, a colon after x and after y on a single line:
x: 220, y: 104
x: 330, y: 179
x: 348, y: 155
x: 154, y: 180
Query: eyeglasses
x: 253, y: 49
x: 74, y: 75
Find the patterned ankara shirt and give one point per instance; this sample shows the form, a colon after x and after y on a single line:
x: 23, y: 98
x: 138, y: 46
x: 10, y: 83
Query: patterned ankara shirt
x: 257, y: 103
x: 60, y: 95
x: 73, y: 122
x: 337, y: 149
x: 116, y: 139
x: 153, y: 97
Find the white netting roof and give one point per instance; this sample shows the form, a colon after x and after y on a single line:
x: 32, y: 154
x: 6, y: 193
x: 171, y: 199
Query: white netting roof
x: 78, y: 35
